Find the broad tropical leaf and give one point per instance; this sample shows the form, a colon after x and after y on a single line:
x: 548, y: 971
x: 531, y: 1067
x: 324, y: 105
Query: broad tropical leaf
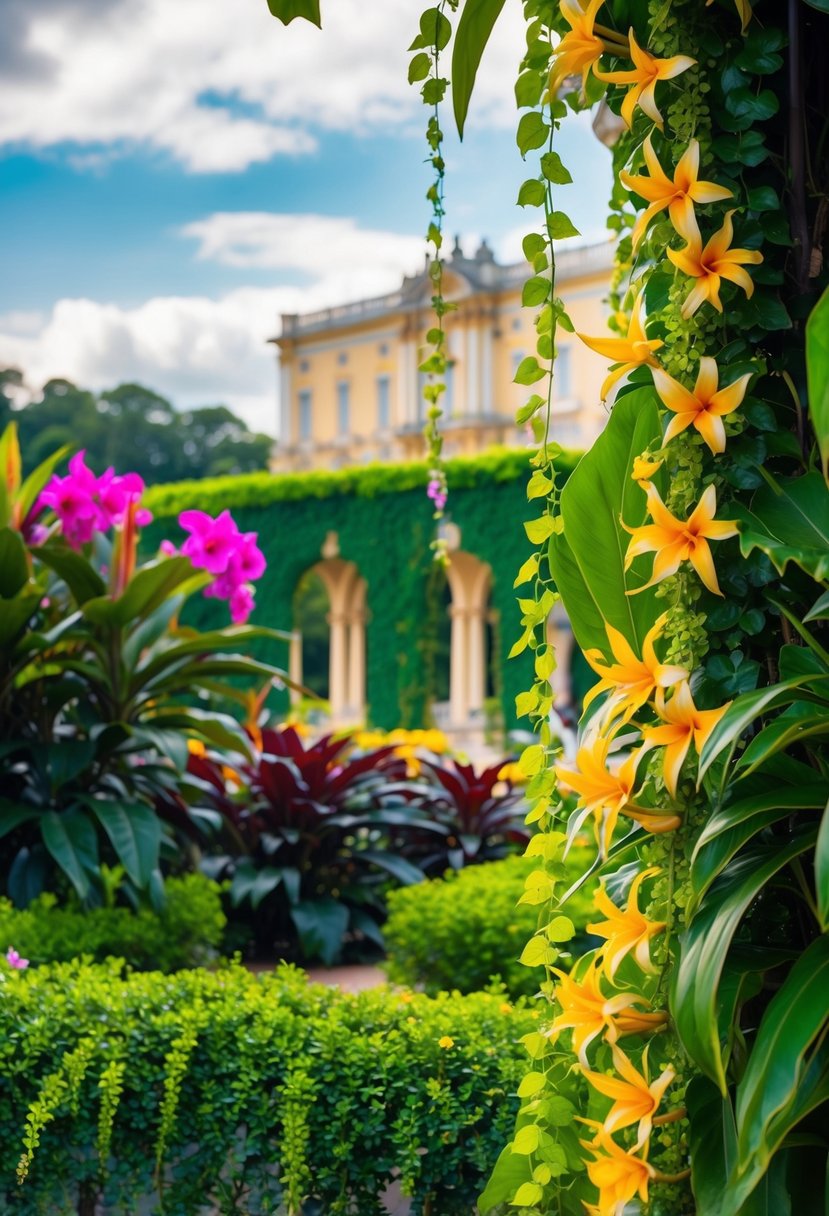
x: 789, y: 521
x: 135, y: 834
x: 475, y: 26
x: 817, y: 361
x: 70, y: 838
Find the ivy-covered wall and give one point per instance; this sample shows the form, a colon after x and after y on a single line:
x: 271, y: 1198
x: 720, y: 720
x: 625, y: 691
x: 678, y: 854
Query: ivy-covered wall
x: 384, y: 525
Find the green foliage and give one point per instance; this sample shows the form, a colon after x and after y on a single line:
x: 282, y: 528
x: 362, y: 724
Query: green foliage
x: 286, y: 10
x: 248, y: 1091
x: 185, y: 932
x: 132, y: 427
x: 475, y: 26
x: 466, y: 930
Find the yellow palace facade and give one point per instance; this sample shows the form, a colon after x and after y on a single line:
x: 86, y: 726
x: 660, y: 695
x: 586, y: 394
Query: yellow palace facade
x: 351, y: 392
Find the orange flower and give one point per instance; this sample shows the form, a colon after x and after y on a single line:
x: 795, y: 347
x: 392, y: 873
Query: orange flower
x: 617, y: 1175
x: 705, y: 407
x: 643, y: 470
x: 635, y: 1098
x: 676, y: 540
x: 643, y: 80
x: 632, y: 351
x: 743, y: 8
x: 588, y: 1012
x: 625, y: 931
x: 580, y: 48
x: 606, y: 794
x: 684, y: 724
x: 678, y: 194
x: 630, y: 680
x: 711, y: 264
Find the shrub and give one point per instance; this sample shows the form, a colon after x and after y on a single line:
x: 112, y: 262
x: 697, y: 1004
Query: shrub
x: 246, y: 1092
x: 186, y: 932
x: 464, y: 930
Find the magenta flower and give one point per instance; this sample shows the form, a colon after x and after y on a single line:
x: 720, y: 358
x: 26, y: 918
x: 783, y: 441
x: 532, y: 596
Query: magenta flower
x: 85, y: 504
x: 15, y: 961
x: 168, y: 548
x: 115, y: 494
x: 241, y: 604
x: 212, y: 542
x: 248, y: 562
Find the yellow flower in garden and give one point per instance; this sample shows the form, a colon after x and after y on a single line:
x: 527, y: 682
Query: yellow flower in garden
x: 678, y: 194
x: 446, y: 1042
x: 631, y: 681
x: 743, y: 8
x: 634, y: 350
x: 505, y: 1008
x: 606, y: 794
x: 581, y: 46
x: 636, y: 1099
x: 625, y: 931
x: 367, y: 740
x: 711, y: 264
x: 196, y: 748
x: 643, y: 78
x: 588, y: 1012
x: 678, y: 540
x: 617, y: 1175
x: 683, y: 724
x: 512, y: 773
x: 705, y: 407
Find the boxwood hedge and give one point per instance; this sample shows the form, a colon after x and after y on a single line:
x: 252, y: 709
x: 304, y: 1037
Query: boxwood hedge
x: 226, y: 1092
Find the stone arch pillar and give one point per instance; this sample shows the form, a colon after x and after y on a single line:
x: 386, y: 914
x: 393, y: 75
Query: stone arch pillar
x: 470, y: 581
x: 347, y: 653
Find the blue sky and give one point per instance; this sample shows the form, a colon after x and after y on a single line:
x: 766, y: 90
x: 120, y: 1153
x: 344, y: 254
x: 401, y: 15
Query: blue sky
x: 163, y: 197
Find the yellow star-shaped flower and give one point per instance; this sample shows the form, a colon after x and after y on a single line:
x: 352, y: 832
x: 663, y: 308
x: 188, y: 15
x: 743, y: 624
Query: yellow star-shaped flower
x: 634, y: 350
x: 678, y: 194
x: 631, y: 681
x: 617, y: 1175
x: 636, y: 1099
x: 683, y: 724
x: 625, y: 931
x: 710, y: 264
x: 643, y: 79
x: 675, y: 541
x: 705, y: 407
x: 588, y: 1012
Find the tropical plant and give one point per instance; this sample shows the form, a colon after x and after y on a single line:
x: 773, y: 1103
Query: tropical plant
x: 313, y: 834
x: 690, y: 551
x: 98, y: 678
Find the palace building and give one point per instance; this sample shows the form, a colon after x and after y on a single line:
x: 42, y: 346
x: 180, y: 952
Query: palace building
x: 351, y: 392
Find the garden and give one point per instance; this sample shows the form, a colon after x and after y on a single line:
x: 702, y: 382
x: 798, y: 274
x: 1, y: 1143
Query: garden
x: 606, y: 965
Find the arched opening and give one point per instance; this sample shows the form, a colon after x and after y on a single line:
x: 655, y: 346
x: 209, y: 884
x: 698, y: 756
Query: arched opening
x: 329, y: 636
x: 469, y: 679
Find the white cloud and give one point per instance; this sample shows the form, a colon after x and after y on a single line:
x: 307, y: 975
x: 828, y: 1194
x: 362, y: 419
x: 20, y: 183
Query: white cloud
x: 201, y: 351
x: 220, y: 86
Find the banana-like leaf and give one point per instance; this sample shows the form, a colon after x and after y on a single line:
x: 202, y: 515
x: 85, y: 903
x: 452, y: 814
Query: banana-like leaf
x: 599, y: 494
x: 219, y: 729
x: 134, y: 831
x: 817, y: 361
x: 731, y: 827
x: 768, y: 1099
x: 800, y: 721
x: 743, y: 711
x: 475, y: 26
x: 80, y: 576
x: 70, y: 838
x: 788, y: 520
x: 707, y: 940
x: 819, y: 611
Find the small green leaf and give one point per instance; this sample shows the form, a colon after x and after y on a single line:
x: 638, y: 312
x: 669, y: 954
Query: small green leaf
x: 528, y: 1193
x: 419, y: 67
x: 287, y: 10
x: 535, y: 291
x: 560, y: 226
x: 532, y: 132
x: 554, y: 170
x: 539, y: 530
x: 529, y: 371
x: 531, y: 193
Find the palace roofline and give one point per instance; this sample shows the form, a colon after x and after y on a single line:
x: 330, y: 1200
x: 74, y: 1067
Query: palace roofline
x: 481, y: 272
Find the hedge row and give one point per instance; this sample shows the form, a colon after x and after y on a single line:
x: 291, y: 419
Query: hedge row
x: 467, y: 930
x: 250, y: 1094
x: 363, y: 481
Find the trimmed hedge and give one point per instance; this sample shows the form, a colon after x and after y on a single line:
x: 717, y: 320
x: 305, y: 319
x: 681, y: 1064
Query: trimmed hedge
x: 466, y: 930
x: 187, y: 932
x: 248, y: 1094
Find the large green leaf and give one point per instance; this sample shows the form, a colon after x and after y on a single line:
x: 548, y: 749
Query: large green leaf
x: 817, y: 369
x: 13, y: 616
x: 79, y: 575
x: 475, y: 26
x: 70, y: 838
x: 789, y: 522
x: 822, y: 870
x: 599, y: 494
x: 770, y: 1086
x: 134, y: 831
x: 148, y: 589
x: 14, y: 565
x: 510, y: 1172
x: 286, y: 10
x: 707, y: 940
x: 321, y: 925
x: 731, y: 827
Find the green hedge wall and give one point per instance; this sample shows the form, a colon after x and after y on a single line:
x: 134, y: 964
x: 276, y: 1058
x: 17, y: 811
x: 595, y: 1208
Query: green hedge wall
x: 241, y: 1094
x: 384, y: 524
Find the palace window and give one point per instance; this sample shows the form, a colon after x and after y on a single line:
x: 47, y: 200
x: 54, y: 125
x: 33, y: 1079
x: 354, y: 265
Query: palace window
x: 305, y: 414
x: 343, y: 407
x: 383, y: 403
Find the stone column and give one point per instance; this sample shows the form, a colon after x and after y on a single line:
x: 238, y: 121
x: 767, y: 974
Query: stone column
x: 407, y: 384
x: 487, y: 369
x: 295, y: 663
x: 338, y: 666
x: 286, y: 430
x: 476, y: 629
x: 472, y: 405
x: 459, y: 668
x: 356, y: 666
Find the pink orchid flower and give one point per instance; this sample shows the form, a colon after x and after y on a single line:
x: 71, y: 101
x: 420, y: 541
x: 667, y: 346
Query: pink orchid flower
x: 211, y: 542
x: 241, y: 604
x: 15, y: 961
